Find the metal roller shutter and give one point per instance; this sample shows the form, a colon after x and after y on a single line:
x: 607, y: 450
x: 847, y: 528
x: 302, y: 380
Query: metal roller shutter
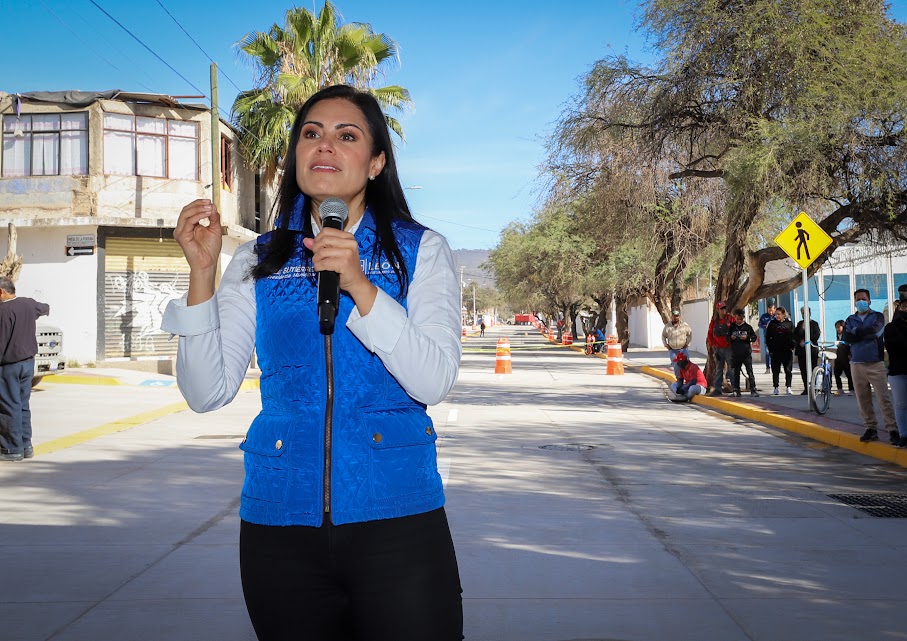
x: 141, y: 276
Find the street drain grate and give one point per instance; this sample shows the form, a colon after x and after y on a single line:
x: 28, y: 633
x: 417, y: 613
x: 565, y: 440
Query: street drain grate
x: 883, y: 506
x: 567, y: 447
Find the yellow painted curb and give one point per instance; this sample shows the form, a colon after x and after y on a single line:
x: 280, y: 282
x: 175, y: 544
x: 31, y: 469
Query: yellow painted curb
x: 250, y: 384
x: 877, y: 450
x: 75, y: 379
x: 108, y: 428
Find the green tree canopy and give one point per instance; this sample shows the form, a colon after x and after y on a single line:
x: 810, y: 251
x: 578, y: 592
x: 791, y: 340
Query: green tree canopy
x: 296, y: 60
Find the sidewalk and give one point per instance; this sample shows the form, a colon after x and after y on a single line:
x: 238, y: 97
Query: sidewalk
x: 841, y: 425
x: 119, y: 376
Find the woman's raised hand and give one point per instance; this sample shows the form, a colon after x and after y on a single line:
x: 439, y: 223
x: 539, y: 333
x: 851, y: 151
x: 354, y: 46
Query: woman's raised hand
x: 200, y: 243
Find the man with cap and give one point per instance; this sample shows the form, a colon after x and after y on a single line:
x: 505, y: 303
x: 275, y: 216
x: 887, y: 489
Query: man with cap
x: 676, y: 337
x: 764, y: 320
x: 690, y: 379
x: 719, y: 339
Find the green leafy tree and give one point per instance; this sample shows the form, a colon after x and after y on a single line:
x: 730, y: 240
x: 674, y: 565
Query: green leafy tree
x: 296, y: 60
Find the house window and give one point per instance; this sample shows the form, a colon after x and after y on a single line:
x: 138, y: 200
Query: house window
x: 140, y: 146
x: 226, y: 163
x: 45, y: 145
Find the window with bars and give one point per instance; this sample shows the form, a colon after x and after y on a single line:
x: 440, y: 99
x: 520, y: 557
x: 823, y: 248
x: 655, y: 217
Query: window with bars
x: 226, y: 163
x: 158, y: 147
x: 45, y: 145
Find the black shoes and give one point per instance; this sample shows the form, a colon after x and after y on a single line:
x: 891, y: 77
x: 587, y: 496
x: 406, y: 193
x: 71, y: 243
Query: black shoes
x: 716, y: 392
x: 28, y: 452
x: 869, y: 435
x: 902, y: 442
x: 10, y: 457
x: 894, y: 437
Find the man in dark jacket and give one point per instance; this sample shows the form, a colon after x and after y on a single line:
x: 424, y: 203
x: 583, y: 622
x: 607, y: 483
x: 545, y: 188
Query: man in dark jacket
x: 863, y: 331
x: 806, y: 368
x: 18, y: 346
x: 742, y: 337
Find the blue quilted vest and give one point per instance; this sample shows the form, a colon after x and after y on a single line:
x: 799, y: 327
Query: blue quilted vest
x: 383, y: 458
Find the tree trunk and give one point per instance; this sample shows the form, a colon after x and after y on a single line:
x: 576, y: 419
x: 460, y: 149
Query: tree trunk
x: 622, y: 322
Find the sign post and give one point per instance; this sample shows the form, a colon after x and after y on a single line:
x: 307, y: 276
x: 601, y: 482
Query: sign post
x: 804, y: 241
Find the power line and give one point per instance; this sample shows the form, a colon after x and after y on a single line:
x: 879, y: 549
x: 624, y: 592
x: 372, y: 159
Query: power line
x: 450, y: 222
x: 188, y: 35
x: 137, y: 39
x: 88, y: 46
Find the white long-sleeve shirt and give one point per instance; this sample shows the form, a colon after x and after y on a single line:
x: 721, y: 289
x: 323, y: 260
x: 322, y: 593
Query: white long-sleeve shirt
x: 419, y: 344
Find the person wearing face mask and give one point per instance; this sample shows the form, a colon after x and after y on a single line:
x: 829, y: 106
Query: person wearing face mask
x: 896, y: 344
x: 863, y: 332
x: 742, y: 337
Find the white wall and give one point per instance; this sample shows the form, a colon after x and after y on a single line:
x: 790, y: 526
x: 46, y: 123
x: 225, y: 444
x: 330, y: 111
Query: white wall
x: 67, y: 283
x: 645, y: 324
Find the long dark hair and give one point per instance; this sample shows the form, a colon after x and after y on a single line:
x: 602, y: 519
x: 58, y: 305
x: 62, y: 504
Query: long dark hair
x: 383, y: 195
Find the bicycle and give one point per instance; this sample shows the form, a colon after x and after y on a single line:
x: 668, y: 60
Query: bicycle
x: 821, y: 378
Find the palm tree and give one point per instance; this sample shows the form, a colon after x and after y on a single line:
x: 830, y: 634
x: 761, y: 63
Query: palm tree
x: 295, y: 61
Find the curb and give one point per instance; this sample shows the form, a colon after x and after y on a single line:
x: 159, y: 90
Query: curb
x: 76, y: 379
x: 816, y: 432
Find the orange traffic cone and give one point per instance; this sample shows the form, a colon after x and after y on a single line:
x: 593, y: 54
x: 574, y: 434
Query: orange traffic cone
x: 502, y: 364
x: 615, y: 358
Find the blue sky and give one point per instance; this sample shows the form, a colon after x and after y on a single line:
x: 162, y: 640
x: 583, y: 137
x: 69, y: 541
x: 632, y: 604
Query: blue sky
x: 488, y: 79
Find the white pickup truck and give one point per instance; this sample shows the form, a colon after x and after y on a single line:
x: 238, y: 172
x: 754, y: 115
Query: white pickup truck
x: 49, y: 359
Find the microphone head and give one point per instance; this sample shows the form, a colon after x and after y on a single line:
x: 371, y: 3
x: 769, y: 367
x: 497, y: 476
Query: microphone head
x: 333, y: 208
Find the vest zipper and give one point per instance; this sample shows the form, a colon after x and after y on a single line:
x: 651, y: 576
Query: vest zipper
x: 328, y: 422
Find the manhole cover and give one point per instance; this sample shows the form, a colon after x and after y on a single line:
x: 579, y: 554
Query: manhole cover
x: 567, y: 447
x: 883, y: 506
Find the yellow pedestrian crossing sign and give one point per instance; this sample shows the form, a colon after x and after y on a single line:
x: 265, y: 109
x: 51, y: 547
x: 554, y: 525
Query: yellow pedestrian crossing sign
x: 803, y: 240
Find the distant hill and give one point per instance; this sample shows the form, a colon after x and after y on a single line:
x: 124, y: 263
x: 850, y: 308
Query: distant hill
x: 470, y: 260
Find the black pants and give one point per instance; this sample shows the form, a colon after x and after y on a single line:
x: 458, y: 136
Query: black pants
x: 389, y: 580
x: 807, y: 370
x: 842, y: 366
x: 740, y: 362
x: 779, y: 360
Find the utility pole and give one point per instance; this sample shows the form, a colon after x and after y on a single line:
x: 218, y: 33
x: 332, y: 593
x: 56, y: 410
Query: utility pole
x: 462, y: 285
x: 474, y: 304
x: 215, y: 141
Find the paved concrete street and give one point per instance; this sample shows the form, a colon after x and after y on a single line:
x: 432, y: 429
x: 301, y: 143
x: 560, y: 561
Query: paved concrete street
x: 583, y: 506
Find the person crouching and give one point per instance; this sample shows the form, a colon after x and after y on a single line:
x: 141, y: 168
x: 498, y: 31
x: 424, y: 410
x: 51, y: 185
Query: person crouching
x: 690, y: 379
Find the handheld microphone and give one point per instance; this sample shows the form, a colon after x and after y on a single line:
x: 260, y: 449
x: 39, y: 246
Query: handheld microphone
x: 334, y: 213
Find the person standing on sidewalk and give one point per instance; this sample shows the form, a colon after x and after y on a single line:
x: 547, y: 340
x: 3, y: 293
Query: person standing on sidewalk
x: 764, y: 320
x: 18, y: 346
x: 863, y: 331
x: 676, y: 337
x: 842, y: 360
x: 742, y: 337
x: 343, y: 533
x: 779, y: 337
x: 718, y: 338
x: 806, y: 368
x: 482, y: 328
x: 896, y: 345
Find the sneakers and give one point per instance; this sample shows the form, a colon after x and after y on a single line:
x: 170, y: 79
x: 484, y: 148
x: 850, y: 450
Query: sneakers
x: 775, y: 392
x: 716, y: 392
x: 902, y: 442
x: 754, y: 393
x: 29, y: 452
x: 790, y: 392
x: 768, y: 370
x: 803, y: 393
x: 893, y: 437
x: 869, y: 435
x: 7, y: 456
x: 737, y: 393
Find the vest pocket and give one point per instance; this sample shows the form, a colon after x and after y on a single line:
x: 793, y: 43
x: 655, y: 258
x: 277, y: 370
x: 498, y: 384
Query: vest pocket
x: 403, y: 460
x: 265, y: 446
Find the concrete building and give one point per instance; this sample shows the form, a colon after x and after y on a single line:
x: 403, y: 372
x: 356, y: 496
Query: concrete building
x: 94, y: 182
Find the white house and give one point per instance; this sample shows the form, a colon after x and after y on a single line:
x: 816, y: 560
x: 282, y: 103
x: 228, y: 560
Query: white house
x: 94, y: 182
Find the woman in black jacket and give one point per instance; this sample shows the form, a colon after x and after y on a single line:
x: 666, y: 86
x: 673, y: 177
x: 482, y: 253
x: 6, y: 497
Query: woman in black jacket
x: 896, y: 345
x: 842, y: 359
x: 779, y: 339
x: 806, y: 368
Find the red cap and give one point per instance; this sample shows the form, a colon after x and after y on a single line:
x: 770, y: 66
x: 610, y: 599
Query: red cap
x: 721, y: 304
